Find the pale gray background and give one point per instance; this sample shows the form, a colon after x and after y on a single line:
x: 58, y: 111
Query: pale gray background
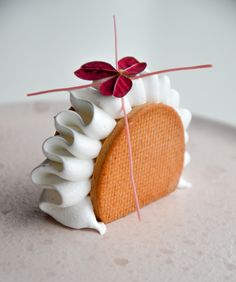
x: 43, y: 42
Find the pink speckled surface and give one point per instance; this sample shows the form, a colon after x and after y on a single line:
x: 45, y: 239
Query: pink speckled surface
x: 187, y: 236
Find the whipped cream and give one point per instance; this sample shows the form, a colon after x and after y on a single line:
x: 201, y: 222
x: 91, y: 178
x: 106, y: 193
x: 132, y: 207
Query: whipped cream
x: 65, y: 174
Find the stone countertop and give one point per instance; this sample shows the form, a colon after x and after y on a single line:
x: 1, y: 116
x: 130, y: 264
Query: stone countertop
x: 188, y: 236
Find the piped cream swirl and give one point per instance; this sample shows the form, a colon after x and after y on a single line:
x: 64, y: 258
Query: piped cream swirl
x: 66, y: 173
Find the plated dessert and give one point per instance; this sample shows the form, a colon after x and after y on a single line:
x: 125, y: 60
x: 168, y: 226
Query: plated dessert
x: 119, y: 147
x: 86, y: 174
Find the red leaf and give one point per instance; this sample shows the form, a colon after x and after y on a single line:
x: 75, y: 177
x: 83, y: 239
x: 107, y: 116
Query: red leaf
x: 95, y: 70
x: 135, y: 69
x: 127, y: 62
x: 122, y: 86
x: 107, y: 87
x: 131, y: 66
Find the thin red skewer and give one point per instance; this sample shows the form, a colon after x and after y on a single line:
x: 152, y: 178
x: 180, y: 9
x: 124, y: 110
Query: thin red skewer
x: 64, y: 89
x: 116, y: 44
x: 132, y: 78
x: 172, y: 70
x: 131, y: 166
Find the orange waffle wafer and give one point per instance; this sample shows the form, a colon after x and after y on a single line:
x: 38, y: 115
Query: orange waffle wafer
x: 157, y: 138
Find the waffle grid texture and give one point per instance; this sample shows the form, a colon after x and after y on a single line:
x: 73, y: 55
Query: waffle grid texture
x: 157, y: 138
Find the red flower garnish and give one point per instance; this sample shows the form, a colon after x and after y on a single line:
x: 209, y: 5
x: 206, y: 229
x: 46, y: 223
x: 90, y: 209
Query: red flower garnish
x: 118, y: 83
x: 95, y: 70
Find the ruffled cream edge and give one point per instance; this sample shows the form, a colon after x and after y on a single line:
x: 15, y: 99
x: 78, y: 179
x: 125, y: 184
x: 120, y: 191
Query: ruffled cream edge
x: 65, y: 174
